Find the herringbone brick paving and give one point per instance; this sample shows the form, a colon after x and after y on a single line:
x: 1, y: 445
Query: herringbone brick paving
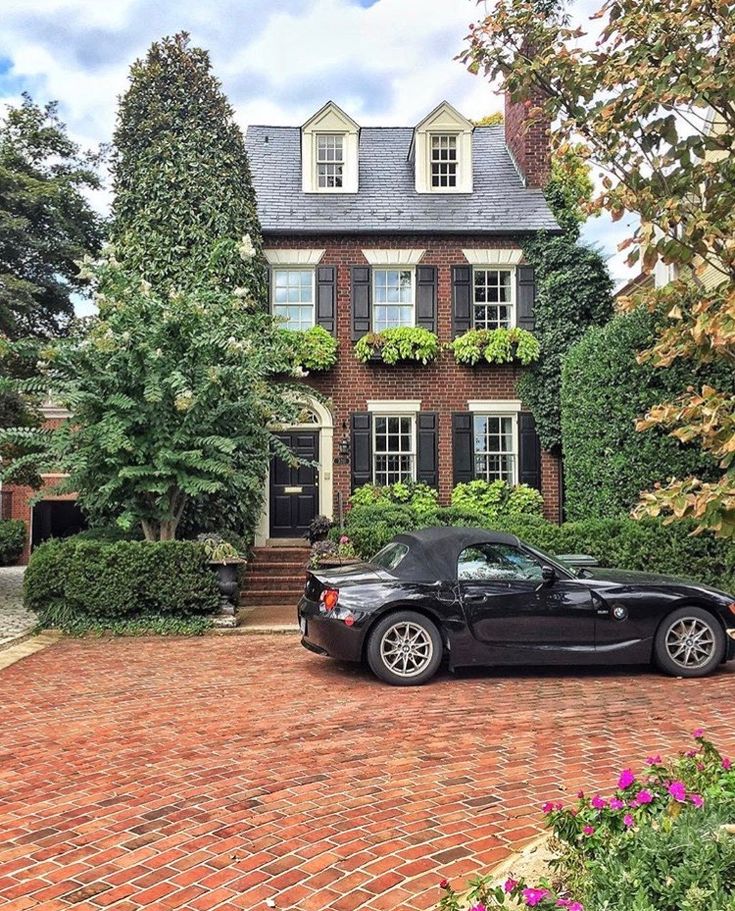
x: 218, y: 773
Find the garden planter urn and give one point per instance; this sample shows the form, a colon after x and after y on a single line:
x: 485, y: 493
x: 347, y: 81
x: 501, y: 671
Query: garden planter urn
x: 229, y: 589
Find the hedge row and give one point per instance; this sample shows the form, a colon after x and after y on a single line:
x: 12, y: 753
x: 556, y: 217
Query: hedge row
x: 90, y: 580
x: 12, y: 540
x: 646, y: 545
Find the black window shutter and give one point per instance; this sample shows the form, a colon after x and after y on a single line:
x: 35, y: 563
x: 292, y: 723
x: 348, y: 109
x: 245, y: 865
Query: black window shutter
x: 360, y: 301
x: 269, y: 281
x: 529, y: 451
x: 428, y: 450
x: 463, y: 449
x: 325, y: 298
x: 426, y: 297
x: 362, y: 449
x: 461, y: 299
x: 525, y: 297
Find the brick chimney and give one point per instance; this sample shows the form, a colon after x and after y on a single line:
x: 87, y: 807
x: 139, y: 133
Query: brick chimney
x: 528, y: 143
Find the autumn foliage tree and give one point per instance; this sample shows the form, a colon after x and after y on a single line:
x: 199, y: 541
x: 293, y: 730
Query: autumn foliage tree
x: 649, y: 99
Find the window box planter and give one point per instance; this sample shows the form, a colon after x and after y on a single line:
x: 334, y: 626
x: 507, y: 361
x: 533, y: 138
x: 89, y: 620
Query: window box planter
x: 311, y: 351
x: 404, y: 345
x: 495, y: 346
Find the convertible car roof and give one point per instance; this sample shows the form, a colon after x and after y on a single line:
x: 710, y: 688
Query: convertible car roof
x: 433, y: 552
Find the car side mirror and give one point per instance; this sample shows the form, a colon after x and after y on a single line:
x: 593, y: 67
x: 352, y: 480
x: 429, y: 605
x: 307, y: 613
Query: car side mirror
x: 548, y: 576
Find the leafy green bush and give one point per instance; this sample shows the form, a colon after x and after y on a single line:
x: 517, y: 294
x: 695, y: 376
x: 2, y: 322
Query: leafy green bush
x: 417, y: 495
x: 313, y: 349
x: 496, y: 498
x: 82, y: 581
x: 371, y: 527
x: 495, y: 346
x: 607, y: 462
x: 12, y: 540
x: 406, y: 343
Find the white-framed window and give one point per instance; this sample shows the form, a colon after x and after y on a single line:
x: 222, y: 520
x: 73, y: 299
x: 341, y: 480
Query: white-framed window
x: 496, y: 447
x: 394, y: 448
x: 330, y: 160
x: 493, y: 298
x: 292, y: 295
x: 444, y: 161
x: 393, y: 298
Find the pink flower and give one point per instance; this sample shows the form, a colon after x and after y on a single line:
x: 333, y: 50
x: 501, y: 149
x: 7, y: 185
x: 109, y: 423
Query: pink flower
x: 479, y: 907
x: 533, y: 897
x: 569, y: 904
x: 626, y: 779
x: 690, y: 754
x: 616, y: 803
x: 444, y: 884
x: 599, y: 803
x: 628, y: 820
x: 726, y: 764
x: 580, y: 794
x: 644, y: 797
x: 677, y: 790
x: 589, y: 830
x: 344, y: 540
x: 548, y: 807
x: 699, y: 733
x: 654, y: 760
x: 510, y: 885
x: 697, y: 800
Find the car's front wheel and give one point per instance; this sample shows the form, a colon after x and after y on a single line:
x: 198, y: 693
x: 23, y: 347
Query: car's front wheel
x: 405, y: 649
x: 689, y: 643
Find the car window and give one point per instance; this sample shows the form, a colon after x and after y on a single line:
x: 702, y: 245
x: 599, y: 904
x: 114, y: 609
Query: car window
x: 497, y: 562
x: 390, y: 556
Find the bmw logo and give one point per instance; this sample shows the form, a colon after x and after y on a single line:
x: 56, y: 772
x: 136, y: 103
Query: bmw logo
x: 620, y: 612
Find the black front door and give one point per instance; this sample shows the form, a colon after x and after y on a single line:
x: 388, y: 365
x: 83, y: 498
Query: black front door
x: 294, y: 493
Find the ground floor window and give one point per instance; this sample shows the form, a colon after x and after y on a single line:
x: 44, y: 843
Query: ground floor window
x: 496, y: 450
x: 394, y: 448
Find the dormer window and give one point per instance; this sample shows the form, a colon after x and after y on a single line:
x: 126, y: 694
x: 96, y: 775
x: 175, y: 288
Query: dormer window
x: 444, y: 163
x: 330, y: 160
x: 330, y: 142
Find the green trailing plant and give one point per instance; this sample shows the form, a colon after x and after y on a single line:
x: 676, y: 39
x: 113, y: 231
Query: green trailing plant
x: 313, y: 350
x: 495, y: 346
x: 496, y: 498
x: 419, y: 496
x: 392, y: 346
x: 217, y: 549
x: 13, y: 534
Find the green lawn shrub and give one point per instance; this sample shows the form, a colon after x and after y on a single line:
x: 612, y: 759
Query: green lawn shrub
x: 12, y: 540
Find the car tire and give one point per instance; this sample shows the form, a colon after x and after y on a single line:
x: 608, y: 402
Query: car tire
x: 405, y: 649
x: 690, y: 642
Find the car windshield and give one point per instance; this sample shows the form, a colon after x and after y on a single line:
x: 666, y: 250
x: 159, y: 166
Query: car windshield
x: 390, y: 556
x: 555, y: 561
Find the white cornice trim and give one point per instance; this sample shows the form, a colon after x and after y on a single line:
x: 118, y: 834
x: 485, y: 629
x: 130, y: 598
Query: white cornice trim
x: 494, y: 406
x: 393, y: 257
x: 304, y: 257
x: 493, y: 257
x: 394, y: 406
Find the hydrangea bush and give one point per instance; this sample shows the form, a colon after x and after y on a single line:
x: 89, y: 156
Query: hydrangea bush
x: 663, y: 840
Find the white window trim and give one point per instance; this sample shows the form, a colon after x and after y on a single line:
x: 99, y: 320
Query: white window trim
x: 501, y: 412
x: 293, y: 259
x: 341, y: 134
x: 459, y: 176
x: 294, y: 268
x: 395, y: 259
x: 389, y: 407
x: 492, y: 256
x: 395, y: 413
x: 495, y: 406
x: 513, y: 282
x: 388, y: 268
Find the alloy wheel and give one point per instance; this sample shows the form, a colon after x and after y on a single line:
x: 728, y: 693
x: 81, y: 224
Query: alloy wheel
x: 690, y: 642
x: 406, y: 649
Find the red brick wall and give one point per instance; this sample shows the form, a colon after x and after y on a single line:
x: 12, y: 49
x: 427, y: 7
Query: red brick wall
x: 528, y: 144
x: 444, y: 386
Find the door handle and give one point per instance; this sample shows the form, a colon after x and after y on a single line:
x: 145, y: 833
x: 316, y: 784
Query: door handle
x: 475, y: 599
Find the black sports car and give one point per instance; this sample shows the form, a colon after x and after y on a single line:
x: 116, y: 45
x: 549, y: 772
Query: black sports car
x: 483, y: 598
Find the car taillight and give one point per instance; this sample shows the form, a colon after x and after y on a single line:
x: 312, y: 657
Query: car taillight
x: 731, y: 607
x: 329, y: 598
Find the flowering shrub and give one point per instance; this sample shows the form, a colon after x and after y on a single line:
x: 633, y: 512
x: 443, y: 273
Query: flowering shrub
x: 406, y: 343
x: 662, y: 841
x: 495, y: 346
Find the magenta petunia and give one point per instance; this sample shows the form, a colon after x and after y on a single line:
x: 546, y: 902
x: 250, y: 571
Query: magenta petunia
x: 626, y: 779
x: 444, y: 884
x: 479, y: 907
x: 628, y: 820
x: 697, y: 800
x: 548, y: 807
x: 616, y: 803
x: 654, y: 760
x: 510, y: 885
x: 589, y: 830
x: 677, y: 790
x: 533, y: 897
x: 698, y: 733
x: 599, y: 803
x: 643, y: 797
x: 690, y: 754
x: 726, y: 764
x: 569, y: 904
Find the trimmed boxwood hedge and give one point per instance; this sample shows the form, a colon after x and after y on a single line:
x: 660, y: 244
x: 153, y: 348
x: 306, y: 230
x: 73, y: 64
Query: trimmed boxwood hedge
x: 12, y: 540
x: 78, y: 580
x: 646, y: 545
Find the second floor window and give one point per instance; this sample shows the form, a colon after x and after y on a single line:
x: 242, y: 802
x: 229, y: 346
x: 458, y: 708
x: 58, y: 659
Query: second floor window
x: 495, y: 447
x: 444, y: 162
x: 293, y: 297
x: 330, y: 161
x: 392, y: 298
x: 493, y: 298
x: 393, y: 449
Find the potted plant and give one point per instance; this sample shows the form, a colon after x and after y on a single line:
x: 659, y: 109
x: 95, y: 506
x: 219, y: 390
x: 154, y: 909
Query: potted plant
x: 331, y: 553
x: 495, y: 346
x: 226, y: 561
x: 318, y: 529
x: 404, y: 344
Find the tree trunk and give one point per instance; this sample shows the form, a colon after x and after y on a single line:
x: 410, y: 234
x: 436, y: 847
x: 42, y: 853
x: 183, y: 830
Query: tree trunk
x: 165, y: 529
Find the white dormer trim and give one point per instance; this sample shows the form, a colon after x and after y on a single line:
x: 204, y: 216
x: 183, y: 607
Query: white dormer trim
x: 330, y: 120
x: 393, y: 257
x: 304, y: 257
x: 491, y: 257
x: 444, y: 120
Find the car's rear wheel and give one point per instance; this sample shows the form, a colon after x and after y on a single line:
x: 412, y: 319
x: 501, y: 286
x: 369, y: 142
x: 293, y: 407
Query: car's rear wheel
x: 689, y: 643
x: 405, y: 649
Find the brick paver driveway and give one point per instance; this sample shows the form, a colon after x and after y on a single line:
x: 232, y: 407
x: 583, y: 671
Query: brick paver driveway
x: 218, y: 773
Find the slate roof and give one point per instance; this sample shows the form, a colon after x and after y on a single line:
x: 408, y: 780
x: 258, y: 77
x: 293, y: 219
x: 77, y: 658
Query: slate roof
x: 387, y: 201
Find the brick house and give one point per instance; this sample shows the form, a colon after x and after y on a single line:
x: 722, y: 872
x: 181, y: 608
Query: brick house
x: 367, y: 228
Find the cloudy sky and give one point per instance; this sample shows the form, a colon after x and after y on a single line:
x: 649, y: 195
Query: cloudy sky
x: 384, y: 61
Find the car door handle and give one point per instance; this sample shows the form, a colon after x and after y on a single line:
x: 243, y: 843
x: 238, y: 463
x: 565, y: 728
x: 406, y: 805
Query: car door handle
x: 475, y: 599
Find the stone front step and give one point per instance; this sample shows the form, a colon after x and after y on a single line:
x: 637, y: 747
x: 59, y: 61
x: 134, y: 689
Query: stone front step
x: 280, y: 555
x: 264, y: 598
x: 258, y: 579
x: 276, y: 569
